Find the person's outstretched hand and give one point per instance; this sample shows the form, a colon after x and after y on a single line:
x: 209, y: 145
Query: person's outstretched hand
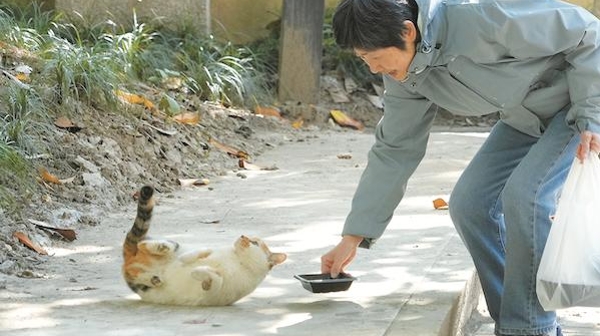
x: 334, y: 261
x: 589, y: 142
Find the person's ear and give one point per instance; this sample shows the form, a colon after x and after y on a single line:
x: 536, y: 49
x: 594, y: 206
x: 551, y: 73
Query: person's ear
x: 410, y: 33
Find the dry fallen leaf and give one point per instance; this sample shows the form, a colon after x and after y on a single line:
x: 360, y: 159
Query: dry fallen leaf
x: 188, y: 118
x: 66, y: 123
x: 267, y: 111
x: 229, y: 150
x: 24, y: 239
x: 68, y: 234
x: 298, y: 123
x: 23, y: 77
x: 247, y: 165
x: 250, y: 166
x: 193, y: 182
x: 343, y: 120
x: 440, y: 204
x: 63, y: 122
x: 162, y: 131
x: 135, y: 99
x: 47, y: 177
x: 344, y: 156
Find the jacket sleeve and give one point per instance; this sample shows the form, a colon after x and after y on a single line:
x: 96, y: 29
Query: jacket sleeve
x: 400, y: 143
x: 584, y: 74
x: 531, y: 29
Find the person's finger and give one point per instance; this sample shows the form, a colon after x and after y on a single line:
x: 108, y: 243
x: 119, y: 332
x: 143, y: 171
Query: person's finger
x: 325, y: 265
x: 595, y: 143
x: 584, y: 145
x: 337, y: 267
x: 335, y: 271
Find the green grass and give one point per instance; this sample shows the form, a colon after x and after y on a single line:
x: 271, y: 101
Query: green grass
x: 22, y: 125
x: 81, y: 73
x: 16, y: 179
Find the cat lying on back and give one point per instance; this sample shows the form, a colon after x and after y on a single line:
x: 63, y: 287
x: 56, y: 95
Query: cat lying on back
x: 162, y: 271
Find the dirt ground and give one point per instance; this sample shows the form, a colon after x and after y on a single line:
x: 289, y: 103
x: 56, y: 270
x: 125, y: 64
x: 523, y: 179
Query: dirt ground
x: 108, y: 155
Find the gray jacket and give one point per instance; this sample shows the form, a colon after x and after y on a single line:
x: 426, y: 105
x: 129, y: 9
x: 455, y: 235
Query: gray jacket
x: 527, y: 60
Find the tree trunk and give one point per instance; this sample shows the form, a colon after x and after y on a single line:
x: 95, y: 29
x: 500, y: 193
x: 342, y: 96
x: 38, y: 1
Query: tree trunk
x: 300, y: 50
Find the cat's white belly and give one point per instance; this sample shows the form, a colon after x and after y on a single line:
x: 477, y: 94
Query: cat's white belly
x: 180, y: 286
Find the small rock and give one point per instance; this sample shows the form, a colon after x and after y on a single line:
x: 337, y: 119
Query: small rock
x: 6, y: 266
x: 93, y: 179
x: 87, y: 165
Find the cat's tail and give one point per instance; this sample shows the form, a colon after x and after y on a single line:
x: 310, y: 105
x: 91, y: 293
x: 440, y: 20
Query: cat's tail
x: 141, y: 224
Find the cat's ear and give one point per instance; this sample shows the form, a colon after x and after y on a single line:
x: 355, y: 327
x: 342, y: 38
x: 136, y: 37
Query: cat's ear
x: 277, y: 258
x: 242, y: 242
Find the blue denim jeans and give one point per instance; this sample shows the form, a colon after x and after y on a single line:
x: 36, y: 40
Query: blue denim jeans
x: 501, y: 207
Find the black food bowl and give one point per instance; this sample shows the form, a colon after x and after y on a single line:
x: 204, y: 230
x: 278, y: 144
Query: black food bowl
x: 324, y: 283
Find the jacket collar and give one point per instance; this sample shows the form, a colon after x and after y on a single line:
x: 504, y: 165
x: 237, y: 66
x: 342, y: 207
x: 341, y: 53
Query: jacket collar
x: 427, y: 11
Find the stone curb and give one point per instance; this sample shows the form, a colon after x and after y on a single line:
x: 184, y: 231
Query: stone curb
x: 459, y: 314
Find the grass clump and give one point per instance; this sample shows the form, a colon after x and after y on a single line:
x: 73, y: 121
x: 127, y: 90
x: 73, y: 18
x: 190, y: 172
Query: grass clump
x: 81, y: 73
x: 22, y: 122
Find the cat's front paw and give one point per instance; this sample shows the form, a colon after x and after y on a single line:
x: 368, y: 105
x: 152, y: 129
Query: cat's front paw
x: 207, y: 284
x: 163, y: 248
x: 209, y: 277
x: 155, y: 281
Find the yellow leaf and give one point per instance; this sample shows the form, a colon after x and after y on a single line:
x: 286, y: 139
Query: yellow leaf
x: 47, y: 177
x: 134, y: 99
x: 188, y: 118
x: 343, y: 120
x: 298, y: 123
x: 267, y: 111
x: 440, y: 204
x: 23, y: 77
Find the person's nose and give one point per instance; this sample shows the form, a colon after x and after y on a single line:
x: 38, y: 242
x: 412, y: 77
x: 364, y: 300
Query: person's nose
x: 374, y: 67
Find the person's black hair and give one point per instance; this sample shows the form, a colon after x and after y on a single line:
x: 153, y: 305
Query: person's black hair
x: 373, y: 24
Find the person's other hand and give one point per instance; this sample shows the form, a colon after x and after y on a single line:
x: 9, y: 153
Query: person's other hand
x: 589, y: 142
x: 334, y: 261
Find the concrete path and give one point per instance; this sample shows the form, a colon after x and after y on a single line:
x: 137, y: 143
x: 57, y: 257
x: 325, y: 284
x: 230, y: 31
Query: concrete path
x: 407, y: 282
x: 576, y: 321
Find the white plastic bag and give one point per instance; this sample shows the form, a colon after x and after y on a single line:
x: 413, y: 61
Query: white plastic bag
x: 569, y: 272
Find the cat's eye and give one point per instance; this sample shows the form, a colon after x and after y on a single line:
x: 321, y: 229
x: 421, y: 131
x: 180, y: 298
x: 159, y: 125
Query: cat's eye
x: 254, y: 242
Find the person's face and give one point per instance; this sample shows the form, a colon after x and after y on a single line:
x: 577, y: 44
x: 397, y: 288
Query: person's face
x: 392, y: 61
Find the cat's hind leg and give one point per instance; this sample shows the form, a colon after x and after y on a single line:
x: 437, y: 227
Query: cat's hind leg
x: 159, y: 247
x: 211, y: 279
x: 191, y: 256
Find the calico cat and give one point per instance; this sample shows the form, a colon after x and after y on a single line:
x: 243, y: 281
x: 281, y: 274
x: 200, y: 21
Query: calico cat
x: 162, y: 271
